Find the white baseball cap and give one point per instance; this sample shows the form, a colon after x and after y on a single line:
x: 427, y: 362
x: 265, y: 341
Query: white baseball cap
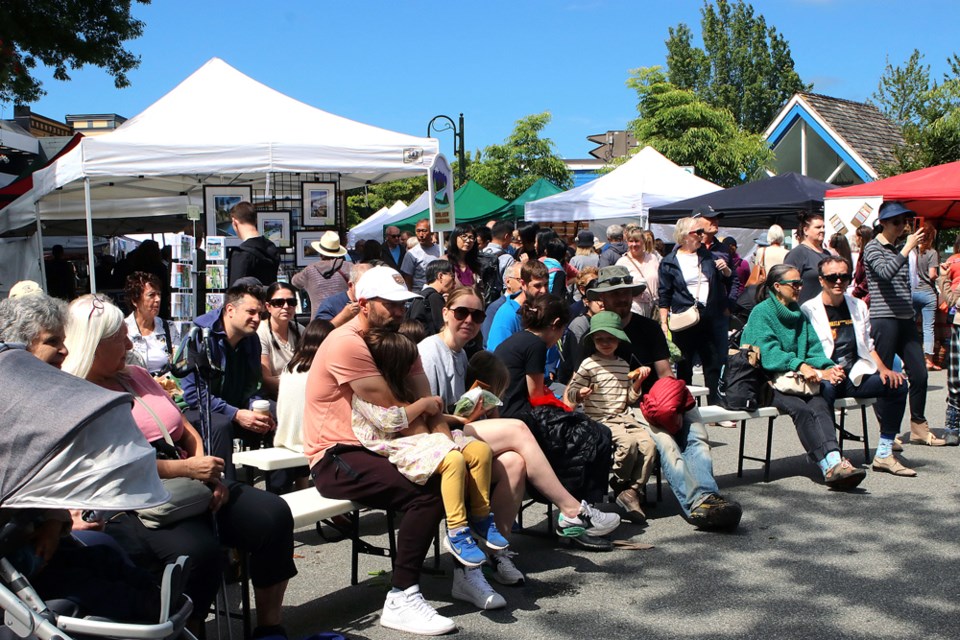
x: 384, y: 283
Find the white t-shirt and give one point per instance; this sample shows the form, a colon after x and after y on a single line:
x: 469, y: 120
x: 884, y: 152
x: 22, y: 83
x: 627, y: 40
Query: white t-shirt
x: 150, y: 351
x: 279, y: 355
x: 690, y: 267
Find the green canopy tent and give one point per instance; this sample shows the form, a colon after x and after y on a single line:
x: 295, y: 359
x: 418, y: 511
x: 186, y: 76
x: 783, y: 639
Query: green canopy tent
x: 514, y: 210
x: 472, y: 203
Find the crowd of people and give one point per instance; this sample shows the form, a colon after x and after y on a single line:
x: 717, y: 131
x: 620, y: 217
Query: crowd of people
x: 448, y: 382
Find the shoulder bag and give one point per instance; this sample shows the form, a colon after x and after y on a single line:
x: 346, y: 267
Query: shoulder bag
x: 188, y: 497
x: 792, y: 383
x: 688, y: 317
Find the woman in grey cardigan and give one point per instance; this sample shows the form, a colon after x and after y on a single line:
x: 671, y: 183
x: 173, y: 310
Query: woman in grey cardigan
x: 894, y: 330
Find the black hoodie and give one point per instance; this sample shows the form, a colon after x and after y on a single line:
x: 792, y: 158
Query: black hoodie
x: 257, y: 257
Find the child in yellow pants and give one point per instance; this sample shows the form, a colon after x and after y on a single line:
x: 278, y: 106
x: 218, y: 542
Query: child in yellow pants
x: 401, y: 434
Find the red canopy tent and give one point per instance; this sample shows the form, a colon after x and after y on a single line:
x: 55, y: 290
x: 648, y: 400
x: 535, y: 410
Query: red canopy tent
x: 933, y: 193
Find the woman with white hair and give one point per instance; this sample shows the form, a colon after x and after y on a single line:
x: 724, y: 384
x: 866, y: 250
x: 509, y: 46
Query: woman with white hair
x: 249, y: 519
x: 37, y: 321
x: 776, y: 252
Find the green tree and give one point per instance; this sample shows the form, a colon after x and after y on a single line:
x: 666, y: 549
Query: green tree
x: 689, y: 131
x: 745, y: 66
x: 927, y: 113
x: 510, y: 168
x: 61, y: 34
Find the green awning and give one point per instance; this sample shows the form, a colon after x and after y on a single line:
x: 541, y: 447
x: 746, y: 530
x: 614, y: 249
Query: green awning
x: 514, y: 210
x: 471, y: 203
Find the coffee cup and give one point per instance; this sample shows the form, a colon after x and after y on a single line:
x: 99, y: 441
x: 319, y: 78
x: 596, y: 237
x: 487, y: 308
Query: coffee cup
x: 261, y: 407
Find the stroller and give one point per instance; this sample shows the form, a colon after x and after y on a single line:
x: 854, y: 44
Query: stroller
x: 68, y: 444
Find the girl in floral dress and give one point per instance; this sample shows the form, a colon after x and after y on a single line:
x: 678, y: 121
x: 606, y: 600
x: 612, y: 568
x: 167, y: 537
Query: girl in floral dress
x: 401, y: 434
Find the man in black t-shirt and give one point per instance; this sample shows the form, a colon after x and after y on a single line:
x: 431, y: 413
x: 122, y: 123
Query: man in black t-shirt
x: 842, y: 323
x: 685, y: 456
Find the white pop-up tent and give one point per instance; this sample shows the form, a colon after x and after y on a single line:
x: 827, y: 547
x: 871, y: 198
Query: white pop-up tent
x: 629, y: 191
x: 218, y: 126
x: 372, y: 227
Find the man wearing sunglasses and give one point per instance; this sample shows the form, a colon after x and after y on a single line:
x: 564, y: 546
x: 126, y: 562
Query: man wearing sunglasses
x: 392, y: 252
x: 842, y: 323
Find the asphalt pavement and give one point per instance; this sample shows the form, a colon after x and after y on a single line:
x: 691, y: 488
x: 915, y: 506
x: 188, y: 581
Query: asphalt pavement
x: 879, y: 562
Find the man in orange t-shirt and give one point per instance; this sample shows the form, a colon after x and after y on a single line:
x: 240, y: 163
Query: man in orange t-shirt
x: 342, y: 469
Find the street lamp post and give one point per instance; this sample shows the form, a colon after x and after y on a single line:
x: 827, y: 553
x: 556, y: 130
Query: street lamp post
x: 458, y: 148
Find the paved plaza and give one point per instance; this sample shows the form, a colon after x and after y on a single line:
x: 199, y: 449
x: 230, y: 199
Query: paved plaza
x: 880, y: 562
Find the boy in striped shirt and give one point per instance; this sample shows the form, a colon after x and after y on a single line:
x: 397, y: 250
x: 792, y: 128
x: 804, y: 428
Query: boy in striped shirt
x: 607, y: 389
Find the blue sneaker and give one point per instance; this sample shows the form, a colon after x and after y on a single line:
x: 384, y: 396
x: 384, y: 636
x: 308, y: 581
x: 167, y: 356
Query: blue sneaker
x: 486, y: 529
x: 463, y: 547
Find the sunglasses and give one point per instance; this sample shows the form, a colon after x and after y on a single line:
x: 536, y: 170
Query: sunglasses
x: 793, y: 284
x: 834, y: 278
x: 697, y: 232
x: 615, y: 280
x: 461, y: 313
x: 96, y: 305
x: 393, y: 235
x: 277, y: 303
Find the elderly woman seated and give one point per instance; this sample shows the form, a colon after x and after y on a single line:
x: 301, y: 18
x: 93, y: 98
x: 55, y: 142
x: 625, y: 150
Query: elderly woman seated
x: 247, y: 518
x: 36, y: 321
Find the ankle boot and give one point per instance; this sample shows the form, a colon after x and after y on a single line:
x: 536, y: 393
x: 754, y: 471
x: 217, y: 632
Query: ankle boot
x: 951, y: 433
x: 920, y: 434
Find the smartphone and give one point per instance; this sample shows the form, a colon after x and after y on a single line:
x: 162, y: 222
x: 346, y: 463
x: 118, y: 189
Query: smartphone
x: 918, y: 223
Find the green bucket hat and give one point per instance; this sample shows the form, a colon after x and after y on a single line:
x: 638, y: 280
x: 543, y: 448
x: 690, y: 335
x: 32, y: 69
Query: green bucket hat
x: 608, y: 322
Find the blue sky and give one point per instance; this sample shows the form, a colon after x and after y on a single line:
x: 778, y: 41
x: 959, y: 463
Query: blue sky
x: 397, y: 64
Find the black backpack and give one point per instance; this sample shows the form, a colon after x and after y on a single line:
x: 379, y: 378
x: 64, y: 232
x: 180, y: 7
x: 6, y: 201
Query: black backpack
x: 489, y: 282
x: 743, y: 384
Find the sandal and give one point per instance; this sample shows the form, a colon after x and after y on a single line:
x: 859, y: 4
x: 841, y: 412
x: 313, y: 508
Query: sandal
x: 843, y: 476
x: 893, y: 466
x: 929, y: 440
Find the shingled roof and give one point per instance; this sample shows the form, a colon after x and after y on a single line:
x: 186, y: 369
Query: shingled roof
x: 867, y: 131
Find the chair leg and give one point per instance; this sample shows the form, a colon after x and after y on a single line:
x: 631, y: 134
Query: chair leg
x: 355, y: 548
x: 245, y: 594
x: 658, y: 470
x: 866, y: 435
x: 743, y: 440
x: 766, y: 463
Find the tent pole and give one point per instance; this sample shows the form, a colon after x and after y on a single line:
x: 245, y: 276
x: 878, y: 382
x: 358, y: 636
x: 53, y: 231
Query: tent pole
x: 39, y: 234
x: 90, y: 263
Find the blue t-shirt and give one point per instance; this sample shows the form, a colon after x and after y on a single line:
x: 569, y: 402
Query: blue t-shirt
x: 505, y: 324
x: 332, y: 305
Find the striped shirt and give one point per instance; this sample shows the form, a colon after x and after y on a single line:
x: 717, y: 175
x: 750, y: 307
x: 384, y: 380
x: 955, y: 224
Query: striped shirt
x: 612, y: 390
x: 888, y: 280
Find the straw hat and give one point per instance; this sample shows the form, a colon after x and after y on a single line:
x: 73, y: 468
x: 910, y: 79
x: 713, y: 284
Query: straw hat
x: 329, y: 245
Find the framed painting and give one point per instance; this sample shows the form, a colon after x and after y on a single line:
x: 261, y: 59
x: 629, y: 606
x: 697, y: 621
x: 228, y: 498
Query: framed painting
x: 319, y: 204
x: 275, y: 226
x: 217, y: 202
x: 306, y: 254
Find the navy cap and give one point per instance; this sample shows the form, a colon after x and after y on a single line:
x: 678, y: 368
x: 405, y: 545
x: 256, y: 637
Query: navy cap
x: 706, y: 211
x: 892, y: 210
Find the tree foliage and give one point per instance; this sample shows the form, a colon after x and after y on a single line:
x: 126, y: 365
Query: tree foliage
x: 927, y: 112
x: 63, y: 34
x: 689, y: 131
x: 745, y: 66
x: 510, y: 168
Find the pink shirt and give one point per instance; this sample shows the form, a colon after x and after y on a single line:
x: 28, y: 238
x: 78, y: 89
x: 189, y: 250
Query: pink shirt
x: 153, y: 395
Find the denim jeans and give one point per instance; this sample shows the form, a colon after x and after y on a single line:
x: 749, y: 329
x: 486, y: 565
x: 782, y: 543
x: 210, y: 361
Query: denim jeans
x: 925, y: 304
x: 891, y: 403
x: 686, y: 461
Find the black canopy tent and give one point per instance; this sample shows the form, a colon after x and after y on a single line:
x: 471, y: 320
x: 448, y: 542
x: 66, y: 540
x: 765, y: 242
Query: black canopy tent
x: 756, y: 205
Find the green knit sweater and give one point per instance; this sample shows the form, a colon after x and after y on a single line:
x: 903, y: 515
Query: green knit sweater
x: 785, y: 337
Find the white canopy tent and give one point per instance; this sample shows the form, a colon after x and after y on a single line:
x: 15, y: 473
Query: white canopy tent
x: 629, y: 191
x: 374, y: 222
x: 371, y: 229
x: 216, y: 127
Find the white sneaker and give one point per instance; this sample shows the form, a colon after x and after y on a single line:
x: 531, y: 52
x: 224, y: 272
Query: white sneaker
x: 504, y: 571
x: 408, y: 611
x: 470, y: 585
